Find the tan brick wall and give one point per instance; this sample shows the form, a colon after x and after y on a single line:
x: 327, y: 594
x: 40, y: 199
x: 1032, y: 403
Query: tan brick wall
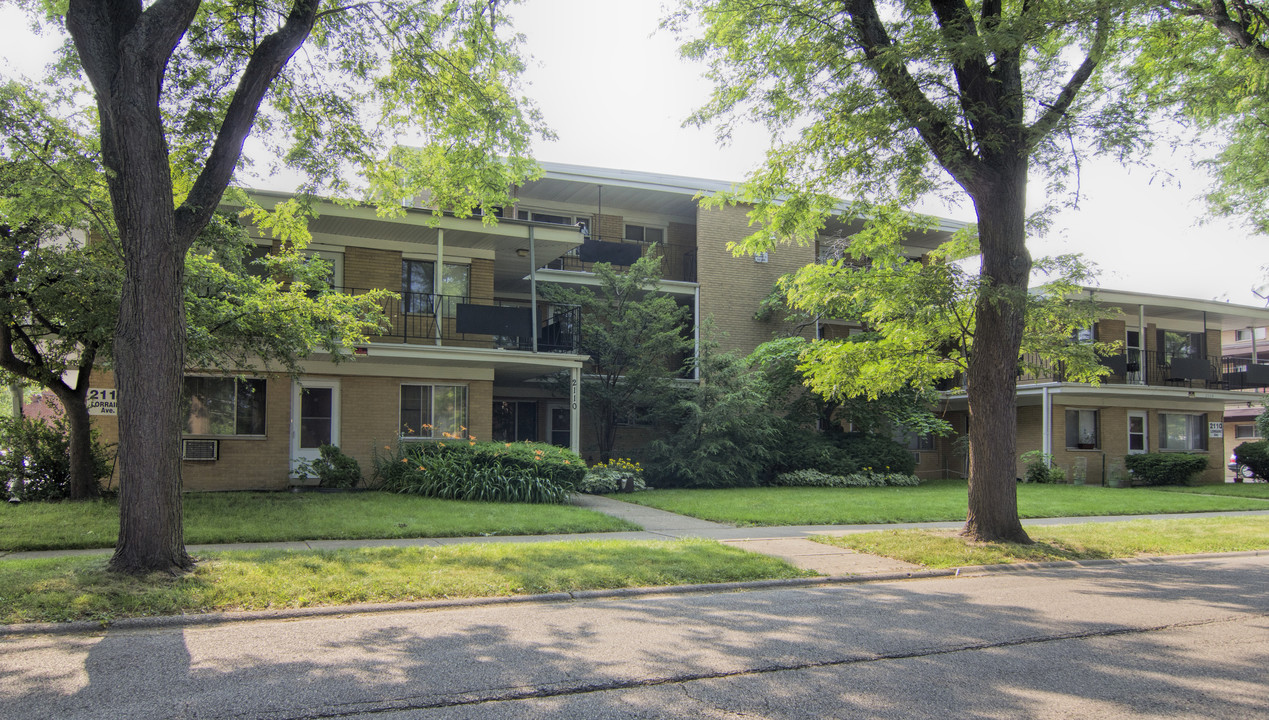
x: 482, y: 280
x: 733, y: 287
x: 1111, y: 331
x: 365, y: 268
x: 681, y: 235
x: 250, y: 463
x: 369, y: 413
x: 612, y: 228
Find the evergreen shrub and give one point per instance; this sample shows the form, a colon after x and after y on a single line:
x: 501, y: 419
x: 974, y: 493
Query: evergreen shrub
x: 1166, y: 468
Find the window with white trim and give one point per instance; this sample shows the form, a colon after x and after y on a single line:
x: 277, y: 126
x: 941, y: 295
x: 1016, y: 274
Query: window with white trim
x: 1182, y: 431
x: 1082, y: 430
x: 433, y: 411
x: 224, y: 406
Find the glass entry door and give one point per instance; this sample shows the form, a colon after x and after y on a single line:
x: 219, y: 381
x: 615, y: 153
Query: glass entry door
x: 314, y: 418
x: 558, y: 425
x: 1138, y: 437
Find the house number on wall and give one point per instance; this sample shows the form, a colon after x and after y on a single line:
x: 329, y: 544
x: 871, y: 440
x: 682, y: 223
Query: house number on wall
x: 101, y: 401
x: 573, y: 395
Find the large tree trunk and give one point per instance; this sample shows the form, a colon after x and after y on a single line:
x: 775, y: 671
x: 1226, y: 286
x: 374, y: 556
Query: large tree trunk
x: 125, y: 55
x: 993, y: 364
x: 149, y: 349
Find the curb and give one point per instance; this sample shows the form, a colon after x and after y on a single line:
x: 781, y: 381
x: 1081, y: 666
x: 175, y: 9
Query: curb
x: 224, y: 618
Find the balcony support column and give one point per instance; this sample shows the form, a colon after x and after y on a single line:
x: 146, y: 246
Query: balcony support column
x: 438, y: 273
x: 575, y: 410
x: 533, y: 289
x: 1046, y: 423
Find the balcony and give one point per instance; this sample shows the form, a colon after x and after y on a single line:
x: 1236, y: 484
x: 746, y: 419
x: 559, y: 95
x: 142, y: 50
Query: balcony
x: 1150, y: 367
x: 456, y: 321
x: 678, y: 262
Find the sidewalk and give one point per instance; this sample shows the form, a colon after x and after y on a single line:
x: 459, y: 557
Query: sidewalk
x: 791, y: 543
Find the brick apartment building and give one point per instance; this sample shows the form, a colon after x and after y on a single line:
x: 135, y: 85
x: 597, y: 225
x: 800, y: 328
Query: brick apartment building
x: 473, y: 349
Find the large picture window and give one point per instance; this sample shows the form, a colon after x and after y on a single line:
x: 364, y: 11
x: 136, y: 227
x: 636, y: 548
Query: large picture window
x: 1082, y: 431
x: 433, y: 411
x: 224, y: 406
x: 418, y: 280
x: 1179, y: 431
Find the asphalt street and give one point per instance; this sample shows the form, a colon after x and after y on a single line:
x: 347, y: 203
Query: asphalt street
x: 1175, y: 639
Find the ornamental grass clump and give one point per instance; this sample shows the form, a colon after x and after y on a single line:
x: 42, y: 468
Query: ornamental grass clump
x: 485, y: 471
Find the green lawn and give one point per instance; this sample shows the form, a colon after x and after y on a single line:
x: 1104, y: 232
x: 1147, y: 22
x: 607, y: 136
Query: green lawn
x: 944, y: 549
x: 266, y: 517
x: 79, y: 588
x: 1251, y: 490
x: 933, y: 501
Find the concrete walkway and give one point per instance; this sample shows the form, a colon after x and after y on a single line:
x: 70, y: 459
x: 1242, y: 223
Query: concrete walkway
x: 790, y: 542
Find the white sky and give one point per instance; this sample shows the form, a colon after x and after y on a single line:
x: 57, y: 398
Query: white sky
x: 615, y: 91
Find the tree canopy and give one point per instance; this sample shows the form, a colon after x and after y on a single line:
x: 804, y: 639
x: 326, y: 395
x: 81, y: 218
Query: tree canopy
x: 1206, y: 64
x: 635, y: 337
x: 885, y: 103
x: 417, y: 97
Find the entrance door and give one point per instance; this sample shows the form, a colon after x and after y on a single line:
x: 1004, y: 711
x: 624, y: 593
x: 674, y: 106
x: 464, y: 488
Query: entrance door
x: 1136, y: 366
x: 558, y: 425
x: 1138, y: 438
x: 314, y: 418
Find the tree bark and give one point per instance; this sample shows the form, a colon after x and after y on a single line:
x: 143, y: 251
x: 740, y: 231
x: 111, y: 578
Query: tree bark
x: 993, y: 363
x: 83, y: 480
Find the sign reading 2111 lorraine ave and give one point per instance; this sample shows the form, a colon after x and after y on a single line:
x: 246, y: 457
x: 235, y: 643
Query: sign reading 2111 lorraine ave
x: 101, y: 401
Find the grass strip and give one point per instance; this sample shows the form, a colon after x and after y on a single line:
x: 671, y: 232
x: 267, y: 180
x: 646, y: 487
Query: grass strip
x: 279, y: 517
x: 79, y: 588
x: 1085, y: 541
x: 1247, y: 490
x: 932, y: 501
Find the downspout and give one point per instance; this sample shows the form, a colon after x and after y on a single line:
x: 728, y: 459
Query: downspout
x: 696, y: 332
x: 533, y: 290
x: 1046, y: 424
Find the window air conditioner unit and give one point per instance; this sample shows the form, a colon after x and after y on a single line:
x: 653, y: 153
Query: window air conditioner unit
x: 200, y: 450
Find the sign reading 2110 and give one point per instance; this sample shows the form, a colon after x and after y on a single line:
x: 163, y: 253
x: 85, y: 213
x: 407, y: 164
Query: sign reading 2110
x: 101, y: 401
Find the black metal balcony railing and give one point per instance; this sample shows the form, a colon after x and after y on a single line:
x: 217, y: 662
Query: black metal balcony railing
x: 678, y: 262
x: 1151, y: 367
x: 461, y: 321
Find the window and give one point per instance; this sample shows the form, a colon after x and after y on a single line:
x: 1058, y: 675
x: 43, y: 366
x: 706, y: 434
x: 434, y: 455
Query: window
x: 1082, y: 431
x: 582, y: 222
x: 644, y: 234
x: 917, y: 442
x: 1083, y: 335
x: 1241, y: 335
x: 1246, y: 430
x: 433, y: 411
x: 1180, y: 431
x: 1174, y: 344
x: 418, y: 278
x: 224, y: 406
x: 515, y: 420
